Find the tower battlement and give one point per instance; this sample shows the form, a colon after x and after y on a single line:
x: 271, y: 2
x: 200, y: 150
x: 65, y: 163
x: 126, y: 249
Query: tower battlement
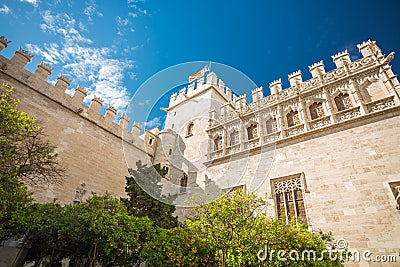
x: 199, y: 86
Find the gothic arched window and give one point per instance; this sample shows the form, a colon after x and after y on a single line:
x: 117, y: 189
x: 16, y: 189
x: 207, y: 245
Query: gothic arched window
x: 218, y: 143
x: 292, y: 118
x: 343, y: 102
x: 252, y: 131
x: 184, y: 181
x: 189, y: 131
x: 316, y: 110
x: 234, y: 138
x: 271, y: 125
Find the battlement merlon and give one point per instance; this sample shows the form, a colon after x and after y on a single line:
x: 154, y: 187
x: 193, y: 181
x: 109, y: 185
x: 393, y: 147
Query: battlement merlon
x: 20, y: 59
x: 95, y: 107
x: 79, y: 96
x: 43, y: 71
x: 111, y: 112
x: 3, y: 43
x: 136, y: 128
x: 275, y: 86
x: 295, y: 78
x: 124, y: 121
x: 369, y: 48
x: 240, y: 102
x: 62, y: 84
x: 317, y: 69
x: 257, y: 94
x: 341, y: 59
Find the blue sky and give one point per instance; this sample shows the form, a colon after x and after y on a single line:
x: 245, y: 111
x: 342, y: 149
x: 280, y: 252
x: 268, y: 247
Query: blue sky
x: 113, y: 47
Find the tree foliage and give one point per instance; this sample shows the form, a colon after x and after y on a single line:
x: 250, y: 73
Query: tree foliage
x: 24, y: 152
x: 179, y: 247
x: 25, y: 158
x: 239, y: 227
x: 97, y: 231
x: 141, y: 203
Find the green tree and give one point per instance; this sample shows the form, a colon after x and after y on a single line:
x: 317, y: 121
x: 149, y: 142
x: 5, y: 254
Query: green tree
x: 97, y: 231
x: 239, y: 227
x: 178, y: 247
x: 25, y: 158
x: 141, y: 203
x: 235, y: 223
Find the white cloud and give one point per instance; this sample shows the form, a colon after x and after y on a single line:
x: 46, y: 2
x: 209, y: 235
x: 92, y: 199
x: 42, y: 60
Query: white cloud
x: 33, y: 2
x: 122, y: 22
x: 156, y: 121
x: 133, y: 15
x: 145, y: 103
x: 5, y: 9
x: 92, y: 67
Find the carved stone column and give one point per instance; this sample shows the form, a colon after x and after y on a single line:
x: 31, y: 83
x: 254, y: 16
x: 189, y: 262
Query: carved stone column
x: 303, y: 113
x: 329, y: 105
x: 279, y: 121
x: 357, y: 96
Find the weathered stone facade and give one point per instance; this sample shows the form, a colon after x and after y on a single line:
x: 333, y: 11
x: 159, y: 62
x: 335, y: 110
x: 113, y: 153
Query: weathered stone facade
x: 325, y: 150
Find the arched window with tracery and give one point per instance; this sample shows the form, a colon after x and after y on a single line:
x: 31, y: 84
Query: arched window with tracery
x: 184, y: 181
x: 218, y: 142
x: 234, y: 138
x: 252, y: 131
x: 316, y: 110
x: 271, y: 125
x: 343, y: 102
x: 189, y: 131
x: 292, y: 118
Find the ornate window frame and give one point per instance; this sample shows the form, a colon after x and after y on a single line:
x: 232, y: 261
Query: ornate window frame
x: 291, y: 184
x: 341, y: 96
x: 295, y: 115
x: 317, y: 107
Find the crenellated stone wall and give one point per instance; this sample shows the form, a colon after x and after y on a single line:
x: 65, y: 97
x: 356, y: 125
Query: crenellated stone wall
x: 90, y: 145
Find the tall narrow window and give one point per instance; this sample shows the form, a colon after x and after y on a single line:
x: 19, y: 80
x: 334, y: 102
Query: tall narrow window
x: 343, y: 102
x: 316, y: 110
x: 252, y: 131
x: 218, y: 143
x: 184, y: 181
x: 234, y: 138
x: 189, y: 131
x: 292, y: 118
x: 289, y: 199
x: 271, y: 125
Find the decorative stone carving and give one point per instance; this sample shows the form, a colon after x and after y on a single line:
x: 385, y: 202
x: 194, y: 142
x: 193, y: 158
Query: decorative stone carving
x: 295, y: 130
x: 320, y: 122
x: 287, y: 185
x: 380, y: 104
x: 348, y: 114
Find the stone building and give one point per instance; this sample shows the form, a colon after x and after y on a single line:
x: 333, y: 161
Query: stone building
x: 324, y: 150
